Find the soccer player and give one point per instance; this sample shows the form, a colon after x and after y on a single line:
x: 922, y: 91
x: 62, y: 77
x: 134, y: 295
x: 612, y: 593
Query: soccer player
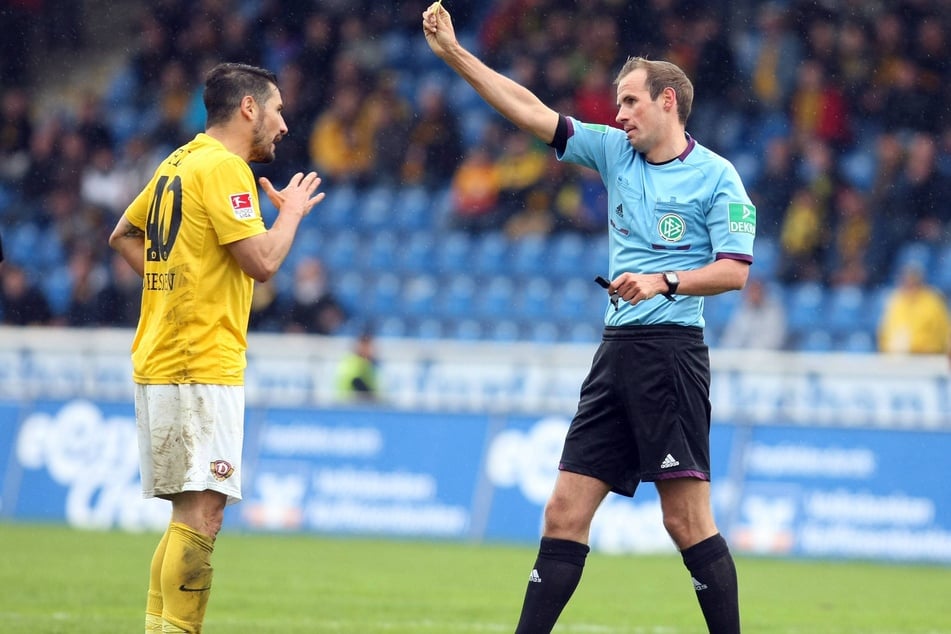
x: 196, y: 235
x: 681, y: 227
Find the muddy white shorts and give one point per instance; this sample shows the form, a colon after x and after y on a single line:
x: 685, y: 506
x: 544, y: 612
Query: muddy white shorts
x: 190, y: 438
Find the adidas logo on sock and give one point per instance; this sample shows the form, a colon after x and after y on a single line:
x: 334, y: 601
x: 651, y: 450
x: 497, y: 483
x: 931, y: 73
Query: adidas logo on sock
x: 534, y: 578
x: 697, y: 585
x: 669, y: 462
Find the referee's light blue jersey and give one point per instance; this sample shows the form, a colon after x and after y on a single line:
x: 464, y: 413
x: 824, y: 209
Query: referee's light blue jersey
x: 675, y: 216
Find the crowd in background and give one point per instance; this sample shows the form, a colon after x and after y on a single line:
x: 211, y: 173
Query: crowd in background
x: 836, y: 115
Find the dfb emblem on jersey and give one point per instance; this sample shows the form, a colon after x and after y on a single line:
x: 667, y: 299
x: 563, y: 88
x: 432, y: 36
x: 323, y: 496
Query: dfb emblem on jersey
x: 671, y: 227
x: 221, y: 469
x: 241, y: 204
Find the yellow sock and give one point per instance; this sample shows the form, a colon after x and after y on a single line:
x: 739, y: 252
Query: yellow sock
x: 186, y: 579
x: 153, y: 603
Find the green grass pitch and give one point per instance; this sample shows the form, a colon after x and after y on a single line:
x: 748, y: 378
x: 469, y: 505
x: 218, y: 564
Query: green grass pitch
x: 59, y: 580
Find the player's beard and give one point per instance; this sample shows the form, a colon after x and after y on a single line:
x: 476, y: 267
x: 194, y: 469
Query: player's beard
x: 262, y: 148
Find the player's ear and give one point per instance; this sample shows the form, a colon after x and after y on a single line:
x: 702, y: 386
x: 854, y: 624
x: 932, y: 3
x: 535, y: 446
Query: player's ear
x: 248, y: 106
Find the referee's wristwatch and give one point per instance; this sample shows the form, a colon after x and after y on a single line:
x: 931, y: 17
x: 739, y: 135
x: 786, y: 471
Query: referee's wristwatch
x: 673, y: 283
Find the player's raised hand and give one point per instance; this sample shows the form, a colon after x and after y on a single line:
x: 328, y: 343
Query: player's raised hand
x: 297, y: 196
x: 438, y: 29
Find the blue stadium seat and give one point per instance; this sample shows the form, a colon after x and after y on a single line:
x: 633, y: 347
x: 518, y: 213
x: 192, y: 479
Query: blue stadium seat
x: 574, y: 300
x: 804, y: 308
x: 350, y: 289
x: 338, y: 209
x: 584, y: 332
x: 383, y: 296
x: 504, y: 330
x: 941, y: 272
x: 496, y: 298
x: 535, y: 300
x: 569, y: 255
x: 342, y: 250
x: 544, y: 331
x: 818, y: 340
x: 453, y: 253
x: 381, y: 251
x: 766, y: 255
x: 859, y: 342
x: 392, y: 327
x: 429, y: 329
x: 491, y: 254
x: 415, y: 254
x: 530, y: 256
x: 58, y: 289
x: 917, y: 253
x: 412, y: 209
x: 467, y: 330
x: 419, y: 295
x: 845, y: 310
x: 376, y: 208
x: 457, y: 297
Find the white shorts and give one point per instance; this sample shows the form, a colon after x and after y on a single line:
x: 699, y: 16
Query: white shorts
x: 190, y: 438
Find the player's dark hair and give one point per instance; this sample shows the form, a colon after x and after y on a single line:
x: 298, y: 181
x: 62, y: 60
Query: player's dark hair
x: 227, y: 84
x: 660, y: 75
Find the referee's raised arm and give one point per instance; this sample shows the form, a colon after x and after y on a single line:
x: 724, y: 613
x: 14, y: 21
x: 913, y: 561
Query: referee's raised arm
x: 512, y: 100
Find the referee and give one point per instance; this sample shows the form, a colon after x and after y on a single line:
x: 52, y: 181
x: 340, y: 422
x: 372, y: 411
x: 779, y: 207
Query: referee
x: 681, y: 227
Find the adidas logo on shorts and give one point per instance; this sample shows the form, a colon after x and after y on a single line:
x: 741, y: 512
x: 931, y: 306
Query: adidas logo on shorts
x: 669, y: 462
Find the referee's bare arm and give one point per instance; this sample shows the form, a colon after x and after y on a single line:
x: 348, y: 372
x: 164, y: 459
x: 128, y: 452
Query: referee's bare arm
x: 512, y: 100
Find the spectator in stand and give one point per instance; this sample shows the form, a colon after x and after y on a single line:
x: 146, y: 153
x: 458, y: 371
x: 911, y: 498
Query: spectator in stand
x: 759, y: 322
x: 594, y: 99
x: 852, y: 229
x: 916, y: 318
x: 102, y: 184
x: 357, y: 371
x: 474, y: 191
x: 16, y: 131
x: 434, y: 150
x: 769, y: 55
x: 269, y: 313
x: 341, y: 144
x: 916, y: 206
x: 521, y: 167
x: 117, y: 304
x: 392, y: 117
x: 314, y: 308
x: 23, y: 303
x: 775, y: 187
x: 818, y: 108
x: 86, y: 280
x: 908, y: 105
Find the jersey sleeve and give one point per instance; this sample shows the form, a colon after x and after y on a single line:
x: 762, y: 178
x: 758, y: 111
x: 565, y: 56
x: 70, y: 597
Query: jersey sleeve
x: 732, y: 219
x: 137, y: 211
x: 591, y: 145
x: 231, y: 198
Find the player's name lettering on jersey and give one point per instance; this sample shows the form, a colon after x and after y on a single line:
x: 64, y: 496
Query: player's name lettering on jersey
x: 159, y: 281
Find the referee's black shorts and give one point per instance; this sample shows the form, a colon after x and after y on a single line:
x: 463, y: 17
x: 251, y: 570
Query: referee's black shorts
x: 644, y: 411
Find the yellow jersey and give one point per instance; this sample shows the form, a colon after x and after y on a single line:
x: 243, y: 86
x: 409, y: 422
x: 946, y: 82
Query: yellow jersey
x: 195, y: 298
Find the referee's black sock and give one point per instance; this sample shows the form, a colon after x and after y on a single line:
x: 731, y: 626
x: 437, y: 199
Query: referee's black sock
x: 714, y: 578
x: 554, y: 578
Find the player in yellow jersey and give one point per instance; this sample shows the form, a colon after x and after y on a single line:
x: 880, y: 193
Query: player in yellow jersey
x: 196, y: 236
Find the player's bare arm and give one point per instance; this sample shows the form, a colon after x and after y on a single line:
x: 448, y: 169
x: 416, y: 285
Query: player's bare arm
x: 129, y: 241
x: 715, y: 278
x: 512, y: 100
x: 261, y: 256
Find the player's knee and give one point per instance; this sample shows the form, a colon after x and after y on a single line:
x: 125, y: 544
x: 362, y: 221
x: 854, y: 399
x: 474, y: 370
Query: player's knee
x: 563, y: 519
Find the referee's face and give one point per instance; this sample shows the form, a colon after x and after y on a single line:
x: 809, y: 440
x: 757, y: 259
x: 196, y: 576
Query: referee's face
x: 637, y: 113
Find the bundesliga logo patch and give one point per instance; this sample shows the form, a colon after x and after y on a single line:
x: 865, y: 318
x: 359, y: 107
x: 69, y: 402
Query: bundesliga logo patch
x: 241, y: 204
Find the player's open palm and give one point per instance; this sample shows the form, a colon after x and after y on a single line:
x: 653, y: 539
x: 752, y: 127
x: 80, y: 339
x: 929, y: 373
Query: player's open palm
x: 299, y: 195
